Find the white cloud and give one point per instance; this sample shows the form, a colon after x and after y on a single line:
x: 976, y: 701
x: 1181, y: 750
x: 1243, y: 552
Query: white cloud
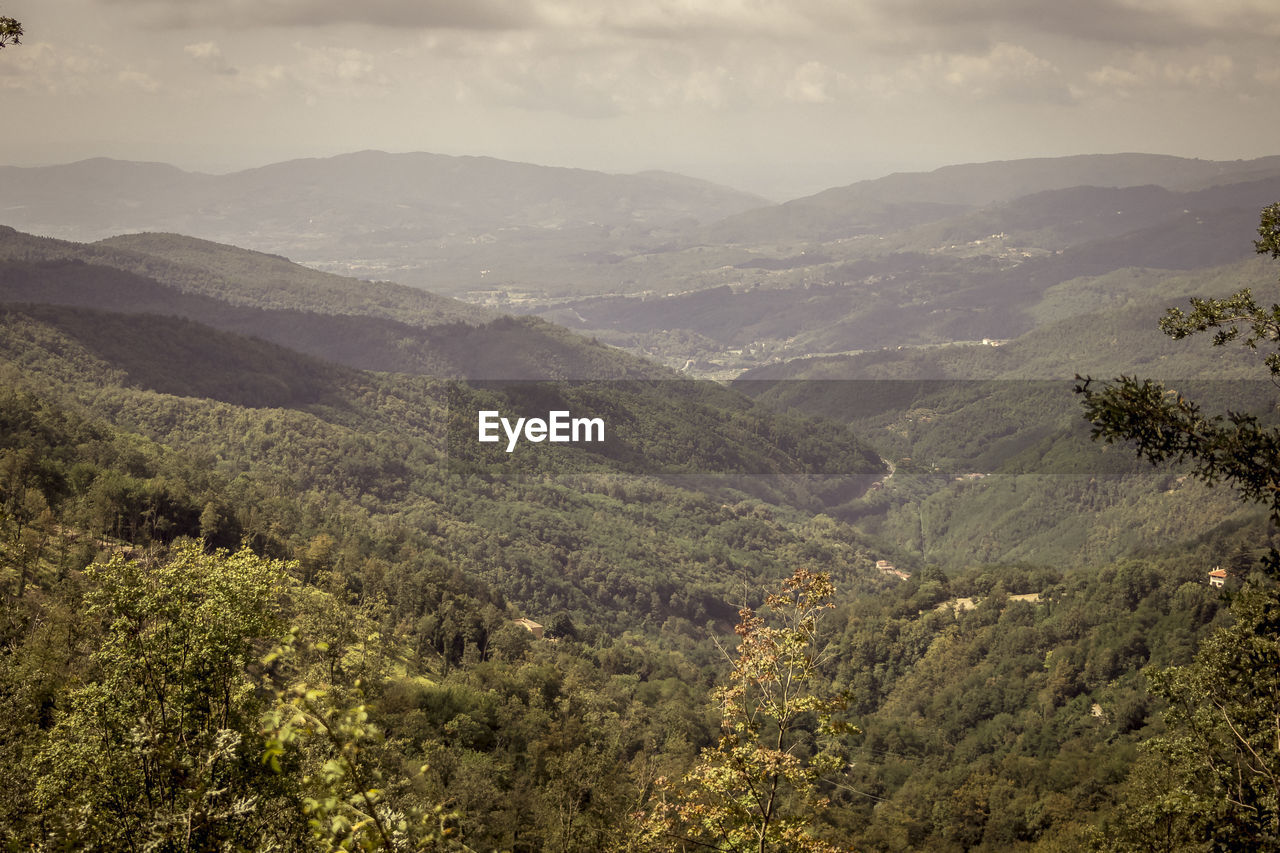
x: 1143, y: 72
x: 209, y: 56
x: 610, y: 74
x: 1006, y: 69
x: 321, y: 72
x: 1003, y: 72
x: 1267, y: 72
x: 815, y: 83
x: 138, y: 80
x: 46, y: 69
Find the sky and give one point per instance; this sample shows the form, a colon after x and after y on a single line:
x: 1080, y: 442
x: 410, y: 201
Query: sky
x: 778, y: 97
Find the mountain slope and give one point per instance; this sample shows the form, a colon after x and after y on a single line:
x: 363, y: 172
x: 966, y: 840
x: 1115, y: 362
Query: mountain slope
x: 1059, y: 219
x: 244, y: 277
x: 993, y: 457
x: 330, y: 317
x: 983, y: 274
x: 403, y: 450
x: 302, y: 203
x: 897, y: 201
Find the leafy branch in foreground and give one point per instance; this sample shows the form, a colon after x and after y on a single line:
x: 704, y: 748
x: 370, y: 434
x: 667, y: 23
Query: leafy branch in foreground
x: 758, y: 789
x: 1162, y: 425
x: 346, y: 797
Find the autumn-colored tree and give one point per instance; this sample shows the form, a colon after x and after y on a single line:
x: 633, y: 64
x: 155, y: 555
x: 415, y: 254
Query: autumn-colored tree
x: 759, y: 788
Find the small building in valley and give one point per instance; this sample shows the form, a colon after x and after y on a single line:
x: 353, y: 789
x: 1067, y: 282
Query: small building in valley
x: 532, y: 627
x: 884, y: 567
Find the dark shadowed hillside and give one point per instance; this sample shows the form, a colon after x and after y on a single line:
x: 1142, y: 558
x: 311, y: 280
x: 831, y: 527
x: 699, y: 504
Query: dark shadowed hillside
x: 341, y: 320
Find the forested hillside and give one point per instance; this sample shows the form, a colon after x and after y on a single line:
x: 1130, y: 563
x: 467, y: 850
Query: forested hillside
x: 992, y: 460
x: 994, y: 273
x: 378, y: 327
x: 367, y: 646
x: 407, y: 575
x: 132, y: 434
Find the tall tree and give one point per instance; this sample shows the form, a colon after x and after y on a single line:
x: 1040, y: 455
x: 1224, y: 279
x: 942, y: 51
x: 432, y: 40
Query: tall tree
x: 160, y: 747
x: 758, y: 789
x: 1212, y: 781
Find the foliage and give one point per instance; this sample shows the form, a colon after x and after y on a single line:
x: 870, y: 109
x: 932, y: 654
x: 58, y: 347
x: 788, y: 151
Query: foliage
x: 540, y: 745
x: 345, y: 794
x: 1214, y: 775
x: 759, y: 788
x: 1221, y: 785
x: 555, y: 532
x: 412, y: 564
x: 10, y: 32
x: 156, y: 749
x: 1163, y: 425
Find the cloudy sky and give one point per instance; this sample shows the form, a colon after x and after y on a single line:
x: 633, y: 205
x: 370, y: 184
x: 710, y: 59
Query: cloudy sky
x: 782, y: 97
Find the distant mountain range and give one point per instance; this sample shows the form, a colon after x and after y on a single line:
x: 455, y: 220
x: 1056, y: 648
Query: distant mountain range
x: 1005, y: 583
x: 698, y: 276
x: 344, y: 200
x: 477, y: 224
x: 910, y: 198
x: 970, y: 276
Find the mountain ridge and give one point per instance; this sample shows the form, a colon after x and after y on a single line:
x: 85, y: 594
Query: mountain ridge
x: 98, y: 197
x: 870, y: 203
x: 473, y: 345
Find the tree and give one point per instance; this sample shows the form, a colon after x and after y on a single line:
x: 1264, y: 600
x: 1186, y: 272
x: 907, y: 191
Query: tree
x: 1163, y: 425
x: 334, y: 748
x: 158, y: 748
x: 758, y: 788
x: 1212, y: 781
x: 10, y: 32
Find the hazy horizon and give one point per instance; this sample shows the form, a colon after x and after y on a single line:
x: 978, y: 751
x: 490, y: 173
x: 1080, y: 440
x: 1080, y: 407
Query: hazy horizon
x: 779, y: 99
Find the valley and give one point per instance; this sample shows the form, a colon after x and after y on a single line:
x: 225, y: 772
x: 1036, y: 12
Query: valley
x: 531, y: 644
